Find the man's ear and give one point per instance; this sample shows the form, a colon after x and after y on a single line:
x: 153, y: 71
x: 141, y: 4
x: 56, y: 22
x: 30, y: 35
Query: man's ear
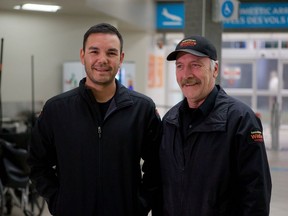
x: 121, y: 58
x: 215, y: 71
x: 82, y: 55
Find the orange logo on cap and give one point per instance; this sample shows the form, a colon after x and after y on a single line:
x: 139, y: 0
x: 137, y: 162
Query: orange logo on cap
x: 188, y: 42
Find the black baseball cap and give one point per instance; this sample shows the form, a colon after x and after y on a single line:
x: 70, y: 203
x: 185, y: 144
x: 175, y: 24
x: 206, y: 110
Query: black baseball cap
x: 195, y: 45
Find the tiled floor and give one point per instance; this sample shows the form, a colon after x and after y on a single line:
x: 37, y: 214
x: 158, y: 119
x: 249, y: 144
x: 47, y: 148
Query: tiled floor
x: 278, y: 161
x: 279, y: 170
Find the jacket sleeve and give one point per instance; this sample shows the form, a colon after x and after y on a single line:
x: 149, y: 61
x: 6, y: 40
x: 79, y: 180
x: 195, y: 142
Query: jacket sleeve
x: 253, y: 168
x: 151, y: 184
x: 42, y: 162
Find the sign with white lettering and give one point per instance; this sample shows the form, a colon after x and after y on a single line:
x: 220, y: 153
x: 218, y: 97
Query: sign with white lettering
x: 264, y: 15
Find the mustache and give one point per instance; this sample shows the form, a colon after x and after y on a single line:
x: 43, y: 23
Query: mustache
x: 189, y: 81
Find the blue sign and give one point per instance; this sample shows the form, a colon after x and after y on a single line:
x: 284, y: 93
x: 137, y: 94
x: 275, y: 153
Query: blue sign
x: 262, y: 15
x: 227, y: 9
x: 170, y: 15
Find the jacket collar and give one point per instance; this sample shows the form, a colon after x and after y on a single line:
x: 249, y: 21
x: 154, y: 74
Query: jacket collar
x: 121, y: 98
x: 205, y: 107
x: 216, y: 119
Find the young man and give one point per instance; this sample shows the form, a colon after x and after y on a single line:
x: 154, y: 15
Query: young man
x: 212, y: 155
x: 87, y: 143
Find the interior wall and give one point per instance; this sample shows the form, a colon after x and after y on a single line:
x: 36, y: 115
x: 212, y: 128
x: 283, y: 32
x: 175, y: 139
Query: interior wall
x: 136, y: 50
x: 52, y: 40
x: 139, y: 14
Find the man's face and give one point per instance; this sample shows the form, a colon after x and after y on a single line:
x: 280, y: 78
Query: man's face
x: 195, y: 77
x: 101, y: 58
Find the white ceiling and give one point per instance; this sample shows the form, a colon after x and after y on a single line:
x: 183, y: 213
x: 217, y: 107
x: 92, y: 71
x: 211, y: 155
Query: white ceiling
x: 131, y: 14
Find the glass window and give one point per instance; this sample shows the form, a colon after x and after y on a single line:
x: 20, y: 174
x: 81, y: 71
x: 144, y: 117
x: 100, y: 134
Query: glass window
x: 268, y: 44
x: 236, y: 75
x: 263, y: 103
x: 234, y: 44
x: 266, y: 73
x: 284, y: 113
x: 285, y: 76
x: 245, y: 99
x: 284, y: 44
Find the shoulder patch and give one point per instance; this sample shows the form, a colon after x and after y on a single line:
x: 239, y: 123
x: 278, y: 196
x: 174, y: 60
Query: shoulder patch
x: 256, y: 136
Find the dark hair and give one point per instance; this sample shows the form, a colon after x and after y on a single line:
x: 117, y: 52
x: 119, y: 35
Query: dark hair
x: 103, y: 28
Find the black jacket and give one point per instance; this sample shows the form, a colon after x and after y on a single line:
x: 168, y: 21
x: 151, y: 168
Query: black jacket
x: 84, y: 167
x: 226, y: 172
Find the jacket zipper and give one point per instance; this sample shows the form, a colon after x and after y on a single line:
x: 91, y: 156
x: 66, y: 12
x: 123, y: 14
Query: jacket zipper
x: 100, y: 204
x: 99, y: 132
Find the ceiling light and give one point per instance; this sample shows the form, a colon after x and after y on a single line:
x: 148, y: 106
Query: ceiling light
x: 38, y: 7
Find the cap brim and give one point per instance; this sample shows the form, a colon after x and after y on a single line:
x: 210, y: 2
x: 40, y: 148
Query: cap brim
x: 172, y: 56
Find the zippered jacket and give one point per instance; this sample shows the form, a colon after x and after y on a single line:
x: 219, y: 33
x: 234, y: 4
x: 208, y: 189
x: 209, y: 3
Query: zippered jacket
x: 226, y: 172
x: 84, y: 166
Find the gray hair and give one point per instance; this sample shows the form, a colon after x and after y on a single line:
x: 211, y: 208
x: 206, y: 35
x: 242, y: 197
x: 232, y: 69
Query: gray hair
x: 213, y: 64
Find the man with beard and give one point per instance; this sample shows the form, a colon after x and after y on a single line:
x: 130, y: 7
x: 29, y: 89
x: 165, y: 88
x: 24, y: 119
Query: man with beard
x: 212, y: 155
x: 88, y: 143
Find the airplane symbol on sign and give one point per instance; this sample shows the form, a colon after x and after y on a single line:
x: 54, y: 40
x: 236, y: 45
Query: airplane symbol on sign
x: 170, y: 16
